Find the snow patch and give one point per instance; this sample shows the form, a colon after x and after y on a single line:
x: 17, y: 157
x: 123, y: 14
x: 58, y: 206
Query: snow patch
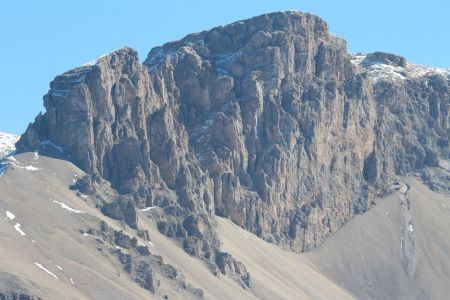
x: 357, y: 59
x: 45, y: 269
x: 17, y: 228
x: 147, y: 208
x: 31, y: 168
x: 10, y: 215
x: 67, y: 207
x: 15, y: 163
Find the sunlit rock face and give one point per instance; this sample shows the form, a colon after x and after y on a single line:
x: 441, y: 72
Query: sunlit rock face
x: 268, y: 121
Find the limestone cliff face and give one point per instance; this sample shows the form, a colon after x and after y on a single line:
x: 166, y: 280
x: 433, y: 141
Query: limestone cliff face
x: 268, y: 121
x: 276, y: 115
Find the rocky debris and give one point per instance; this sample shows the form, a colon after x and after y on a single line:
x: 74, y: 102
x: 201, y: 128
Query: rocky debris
x: 408, y: 247
x: 141, y: 272
x: 143, y: 234
x: 14, y: 288
x: 437, y: 179
x: 268, y: 121
x: 18, y: 296
x: 230, y: 266
x: 145, y: 268
x: 124, y: 241
x: 85, y: 184
x: 122, y: 209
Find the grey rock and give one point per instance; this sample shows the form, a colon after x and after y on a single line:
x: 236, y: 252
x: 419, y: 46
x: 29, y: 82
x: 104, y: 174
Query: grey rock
x: 122, y: 209
x: 266, y: 121
x: 230, y: 266
x: 145, y: 268
x: 385, y: 58
x: 15, y: 288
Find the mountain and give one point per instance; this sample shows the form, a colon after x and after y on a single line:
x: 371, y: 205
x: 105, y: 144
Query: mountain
x: 266, y: 122
x: 7, y: 143
x: 7, y: 146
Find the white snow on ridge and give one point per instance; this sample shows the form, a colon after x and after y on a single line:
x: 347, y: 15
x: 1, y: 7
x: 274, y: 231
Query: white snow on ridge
x: 420, y: 71
x: 357, y: 59
x: 67, y: 207
x: 382, y: 71
x: 17, y: 228
x: 95, y: 61
x: 45, y: 269
x: 7, y: 143
x: 10, y: 215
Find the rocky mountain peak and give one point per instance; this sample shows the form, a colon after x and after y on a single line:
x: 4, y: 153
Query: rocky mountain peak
x: 232, y: 37
x: 265, y: 121
x: 384, y: 58
x: 390, y: 67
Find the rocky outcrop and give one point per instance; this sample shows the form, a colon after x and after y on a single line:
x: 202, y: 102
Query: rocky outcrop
x: 267, y: 121
x: 15, y: 288
x: 230, y: 266
x: 145, y: 268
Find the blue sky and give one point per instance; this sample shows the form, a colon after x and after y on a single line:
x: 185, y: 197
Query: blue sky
x: 41, y: 39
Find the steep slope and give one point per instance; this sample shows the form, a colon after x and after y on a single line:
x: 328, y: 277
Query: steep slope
x: 56, y: 244
x: 52, y: 248
x: 398, y: 250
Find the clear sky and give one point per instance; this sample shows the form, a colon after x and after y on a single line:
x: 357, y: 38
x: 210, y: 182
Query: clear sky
x: 41, y: 39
